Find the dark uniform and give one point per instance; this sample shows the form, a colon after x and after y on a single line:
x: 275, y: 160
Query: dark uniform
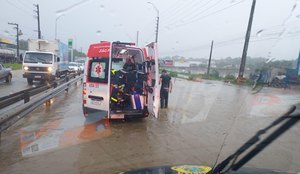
x: 164, y: 90
x: 130, y: 76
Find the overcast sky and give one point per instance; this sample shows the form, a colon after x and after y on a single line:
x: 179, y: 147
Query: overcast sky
x: 186, y: 27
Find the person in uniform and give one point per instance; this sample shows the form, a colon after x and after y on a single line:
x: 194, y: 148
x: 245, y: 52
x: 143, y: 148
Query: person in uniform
x: 129, y: 64
x: 166, y: 87
x: 130, y: 74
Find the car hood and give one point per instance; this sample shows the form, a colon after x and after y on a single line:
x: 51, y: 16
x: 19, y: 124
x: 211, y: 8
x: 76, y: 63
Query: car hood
x: 176, y: 169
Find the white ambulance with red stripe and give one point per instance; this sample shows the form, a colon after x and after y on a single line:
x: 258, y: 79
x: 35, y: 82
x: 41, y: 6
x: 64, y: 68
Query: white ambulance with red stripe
x: 120, y: 81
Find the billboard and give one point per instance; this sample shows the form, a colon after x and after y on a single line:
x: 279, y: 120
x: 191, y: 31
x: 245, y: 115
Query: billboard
x: 63, y: 52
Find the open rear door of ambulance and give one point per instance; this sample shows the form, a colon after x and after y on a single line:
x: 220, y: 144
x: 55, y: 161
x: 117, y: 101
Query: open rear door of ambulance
x: 96, y: 88
x: 153, y: 80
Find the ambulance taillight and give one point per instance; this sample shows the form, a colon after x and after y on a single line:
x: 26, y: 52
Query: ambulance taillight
x: 84, y: 93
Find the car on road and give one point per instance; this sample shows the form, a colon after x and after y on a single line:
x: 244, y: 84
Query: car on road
x: 5, y: 74
x: 81, y: 66
x: 74, y: 67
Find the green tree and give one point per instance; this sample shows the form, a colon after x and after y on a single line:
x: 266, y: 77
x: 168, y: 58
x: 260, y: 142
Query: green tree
x: 78, y: 54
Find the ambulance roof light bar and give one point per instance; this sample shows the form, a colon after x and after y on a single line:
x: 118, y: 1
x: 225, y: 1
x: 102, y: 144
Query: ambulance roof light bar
x: 124, y: 43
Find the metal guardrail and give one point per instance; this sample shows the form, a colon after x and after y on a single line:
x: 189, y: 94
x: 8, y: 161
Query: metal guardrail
x: 13, y: 116
x: 27, y: 93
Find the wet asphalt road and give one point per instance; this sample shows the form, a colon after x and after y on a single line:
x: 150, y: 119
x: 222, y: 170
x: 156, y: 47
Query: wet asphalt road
x: 201, y: 117
x: 18, y: 83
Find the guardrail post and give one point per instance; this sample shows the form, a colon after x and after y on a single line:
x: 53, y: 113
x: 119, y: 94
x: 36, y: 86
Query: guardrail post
x: 26, y: 97
x: 48, y: 103
x: 54, y: 84
x: 67, y: 89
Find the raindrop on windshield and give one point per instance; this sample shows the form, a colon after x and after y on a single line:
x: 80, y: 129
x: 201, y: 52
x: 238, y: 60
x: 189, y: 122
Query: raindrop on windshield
x: 98, y: 33
x: 168, y: 28
x: 59, y: 13
x: 298, y: 16
x: 102, y: 7
x: 112, y: 13
x: 258, y: 34
x: 294, y: 7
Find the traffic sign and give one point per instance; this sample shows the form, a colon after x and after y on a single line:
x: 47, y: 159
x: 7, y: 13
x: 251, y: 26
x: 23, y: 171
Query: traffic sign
x: 70, y: 43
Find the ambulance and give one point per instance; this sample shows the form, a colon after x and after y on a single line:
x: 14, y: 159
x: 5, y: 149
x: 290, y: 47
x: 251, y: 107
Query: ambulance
x: 121, y: 81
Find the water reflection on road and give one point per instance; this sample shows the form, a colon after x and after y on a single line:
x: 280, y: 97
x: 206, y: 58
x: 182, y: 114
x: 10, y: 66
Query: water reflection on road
x: 190, y: 131
x: 63, y: 133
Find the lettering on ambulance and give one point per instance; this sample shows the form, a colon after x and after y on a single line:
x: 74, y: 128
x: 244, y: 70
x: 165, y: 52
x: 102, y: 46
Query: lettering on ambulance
x: 104, y: 50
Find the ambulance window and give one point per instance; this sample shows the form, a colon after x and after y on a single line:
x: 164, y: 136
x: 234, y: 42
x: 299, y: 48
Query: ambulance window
x: 117, y: 64
x: 98, y: 69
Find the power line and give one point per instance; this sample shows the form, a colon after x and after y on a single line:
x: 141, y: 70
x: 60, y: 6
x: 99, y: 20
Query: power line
x: 23, y: 4
x: 214, y: 5
x: 201, y: 12
x: 176, y: 8
x: 178, y: 5
x: 238, y: 40
x: 182, y: 10
x: 204, y: 9
x: 210, y: 14
x: 24, y: 11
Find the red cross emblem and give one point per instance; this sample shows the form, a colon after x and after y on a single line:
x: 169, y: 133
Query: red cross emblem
x: 98, y: 69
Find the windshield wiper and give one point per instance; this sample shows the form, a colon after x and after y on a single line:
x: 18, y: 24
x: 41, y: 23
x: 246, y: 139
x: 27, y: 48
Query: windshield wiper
x: 289, y: 121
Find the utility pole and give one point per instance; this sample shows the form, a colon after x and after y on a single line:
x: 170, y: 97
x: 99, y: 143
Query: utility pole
x: 137, y: 38
x: 38, y: 18
x: 17, y: 27
x: 157, y: 21
x: 157, y: 24
x: 246, y: 44
x: 211, y: 49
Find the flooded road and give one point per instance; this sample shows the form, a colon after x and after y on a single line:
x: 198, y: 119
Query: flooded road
x: 202, y: 116
x: 18, y: 83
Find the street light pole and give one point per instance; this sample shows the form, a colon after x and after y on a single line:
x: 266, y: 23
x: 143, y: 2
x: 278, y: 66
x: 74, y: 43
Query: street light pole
x: 17, y: 27
x: 157, y: 21
x: 56, y: 25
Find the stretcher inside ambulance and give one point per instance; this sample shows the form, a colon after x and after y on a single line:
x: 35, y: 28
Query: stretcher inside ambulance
x: 118, y: 81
